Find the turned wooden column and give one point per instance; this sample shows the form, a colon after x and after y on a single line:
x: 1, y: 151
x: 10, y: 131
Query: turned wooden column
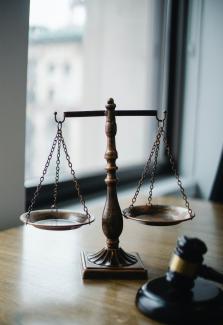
x: 112, y: 220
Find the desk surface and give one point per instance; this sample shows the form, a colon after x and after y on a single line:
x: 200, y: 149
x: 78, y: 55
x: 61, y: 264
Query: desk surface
x: 40, y: 280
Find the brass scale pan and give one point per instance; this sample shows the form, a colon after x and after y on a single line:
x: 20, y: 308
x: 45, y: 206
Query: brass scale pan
x: 153, y: 215
x: 50, y: 219
x: 157, y: 215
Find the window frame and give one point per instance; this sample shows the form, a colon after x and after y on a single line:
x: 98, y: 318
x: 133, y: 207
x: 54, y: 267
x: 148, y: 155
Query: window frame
x: 95, y: 184
x: 177, y: 61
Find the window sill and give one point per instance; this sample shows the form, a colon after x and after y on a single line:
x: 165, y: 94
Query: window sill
x: 165, y: 186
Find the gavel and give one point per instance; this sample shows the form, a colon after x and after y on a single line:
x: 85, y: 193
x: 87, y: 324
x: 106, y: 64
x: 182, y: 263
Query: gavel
x: 182, y: 296
x: 186, y: 264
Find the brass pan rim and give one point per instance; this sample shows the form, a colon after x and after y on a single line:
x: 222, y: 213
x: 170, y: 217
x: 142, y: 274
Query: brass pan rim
x: 74, y: 219
x: 157, y: 215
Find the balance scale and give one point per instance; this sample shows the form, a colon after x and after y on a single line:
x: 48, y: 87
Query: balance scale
x: 111, y: 261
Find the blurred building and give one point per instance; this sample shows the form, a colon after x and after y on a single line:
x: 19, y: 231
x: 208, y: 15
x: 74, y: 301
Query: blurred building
x: 112, y: 51
x: 54, y: 82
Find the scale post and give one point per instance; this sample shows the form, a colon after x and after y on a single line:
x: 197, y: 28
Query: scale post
x: 112, y: 261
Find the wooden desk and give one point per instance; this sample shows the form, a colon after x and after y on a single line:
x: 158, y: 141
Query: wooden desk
x: 40, y: 280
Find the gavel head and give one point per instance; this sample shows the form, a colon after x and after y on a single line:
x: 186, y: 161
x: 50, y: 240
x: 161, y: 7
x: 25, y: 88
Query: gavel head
x: 185, y: 263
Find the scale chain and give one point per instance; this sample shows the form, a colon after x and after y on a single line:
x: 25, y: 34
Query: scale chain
x: 36, y: 194
x: 75, y: 180
x: 155, y: 150
x: 55, y: 191
x: 57, y: 140
x: 145, y: 172
x: 157, y: 143
x: 174, y: 169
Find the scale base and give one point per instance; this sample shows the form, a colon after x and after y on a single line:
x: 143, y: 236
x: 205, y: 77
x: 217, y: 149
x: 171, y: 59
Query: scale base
x: 93, y: 271
x: 203, y: 304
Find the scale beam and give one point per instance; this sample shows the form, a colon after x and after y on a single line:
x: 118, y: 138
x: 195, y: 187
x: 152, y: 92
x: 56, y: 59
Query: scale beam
x: 116, y: 113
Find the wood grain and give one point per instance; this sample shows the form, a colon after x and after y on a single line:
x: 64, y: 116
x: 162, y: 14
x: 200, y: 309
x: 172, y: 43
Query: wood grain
x: 40, y: 279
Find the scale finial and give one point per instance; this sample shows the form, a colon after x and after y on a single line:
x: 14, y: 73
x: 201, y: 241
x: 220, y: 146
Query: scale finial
x: 111, y: 101
x: 110, y: 104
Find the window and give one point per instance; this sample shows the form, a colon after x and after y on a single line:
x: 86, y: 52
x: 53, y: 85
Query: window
x: 51, y: 95
x: 116, y: 48
x: 51, y: 68
x: 66, y: 68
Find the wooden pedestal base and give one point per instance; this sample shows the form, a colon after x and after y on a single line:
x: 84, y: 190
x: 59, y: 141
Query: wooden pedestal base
x: 93, y: 271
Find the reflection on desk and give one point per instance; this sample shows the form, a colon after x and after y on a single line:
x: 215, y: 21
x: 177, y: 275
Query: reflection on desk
x: 40, y: 277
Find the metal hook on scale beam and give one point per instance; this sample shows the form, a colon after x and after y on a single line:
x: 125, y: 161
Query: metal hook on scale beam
x: 56, y: 120
x: 163, y: 119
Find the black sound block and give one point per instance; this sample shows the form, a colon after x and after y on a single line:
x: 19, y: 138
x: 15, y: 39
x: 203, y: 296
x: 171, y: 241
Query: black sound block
x: 159, y: 301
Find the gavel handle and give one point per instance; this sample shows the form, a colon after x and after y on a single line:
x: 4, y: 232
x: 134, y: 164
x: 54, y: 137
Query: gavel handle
x: 210, y: 274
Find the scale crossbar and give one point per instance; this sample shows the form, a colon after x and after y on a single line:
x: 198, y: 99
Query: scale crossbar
x: 116, y: 113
